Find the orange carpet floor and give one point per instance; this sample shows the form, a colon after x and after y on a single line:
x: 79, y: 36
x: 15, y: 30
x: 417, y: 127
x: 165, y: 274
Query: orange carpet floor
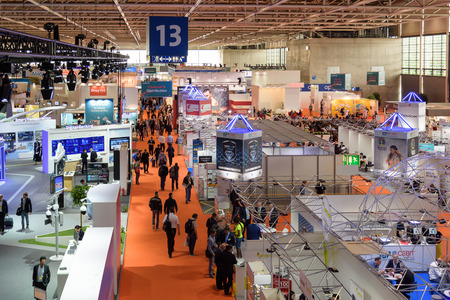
x: 148, y: 272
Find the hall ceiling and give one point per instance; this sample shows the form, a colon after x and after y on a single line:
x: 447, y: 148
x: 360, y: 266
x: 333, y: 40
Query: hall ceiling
x: 212, y: 23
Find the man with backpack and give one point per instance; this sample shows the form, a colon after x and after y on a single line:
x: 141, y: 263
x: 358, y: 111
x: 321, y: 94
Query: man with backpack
x: 191, y: 229
x: 156, y: 208
x: 170, y: 226
x: 173, y: 172
x: 170, y: 203
x: 163, y: 172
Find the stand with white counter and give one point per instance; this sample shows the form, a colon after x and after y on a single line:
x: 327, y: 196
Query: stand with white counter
x: 65, y: 266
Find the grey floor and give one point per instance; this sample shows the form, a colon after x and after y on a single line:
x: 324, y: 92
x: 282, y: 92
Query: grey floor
x: 17, y: 259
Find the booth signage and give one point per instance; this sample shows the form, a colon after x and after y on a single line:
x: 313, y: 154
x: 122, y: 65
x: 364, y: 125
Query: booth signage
x: 100, y: 110
x: 130, y: 70
x: 350, y: 160
x: 168, y: 39
x: 205, y: 159
x: 197, y: 145
x: 98, y: 90
x: 323, y: 87
x: 150, y: 70
x: 198, y: 107
x: 156, y: 89
x: 376, y: 78
x: 341, y: 81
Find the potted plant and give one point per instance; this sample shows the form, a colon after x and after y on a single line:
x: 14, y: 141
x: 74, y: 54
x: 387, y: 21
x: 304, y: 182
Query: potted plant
x: 78, y: 193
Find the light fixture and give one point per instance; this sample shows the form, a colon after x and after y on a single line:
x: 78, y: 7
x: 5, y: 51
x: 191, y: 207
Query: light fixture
x: 84, y: 75
x: 47, y: 86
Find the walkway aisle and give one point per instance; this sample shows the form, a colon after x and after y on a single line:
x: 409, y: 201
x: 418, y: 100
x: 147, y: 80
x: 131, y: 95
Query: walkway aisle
x: 148, y: 272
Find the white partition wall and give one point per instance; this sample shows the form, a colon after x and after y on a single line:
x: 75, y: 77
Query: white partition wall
x: 366, y: 145
x: 353, y: 141
x: 343, y: 135
x: 91, y: 276
x: 292, y: 98
x: 105, y: 199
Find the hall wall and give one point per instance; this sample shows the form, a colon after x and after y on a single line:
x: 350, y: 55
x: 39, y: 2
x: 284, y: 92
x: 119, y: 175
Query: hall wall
x: 355, y: 56
x: 237, y: 58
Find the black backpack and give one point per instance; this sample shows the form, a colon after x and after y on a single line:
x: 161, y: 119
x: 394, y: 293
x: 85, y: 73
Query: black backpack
x: 167, y: 225
x: 188, y: 227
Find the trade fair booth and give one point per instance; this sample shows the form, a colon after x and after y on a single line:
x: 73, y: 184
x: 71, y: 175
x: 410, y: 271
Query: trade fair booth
x: 395, y: 140
x: 103, y: 139
x: 20, y: 135
x: 350, y: 104
x: 413, y: 109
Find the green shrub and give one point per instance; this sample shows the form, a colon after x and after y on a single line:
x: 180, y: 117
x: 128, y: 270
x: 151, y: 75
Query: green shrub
x: 78, y: 193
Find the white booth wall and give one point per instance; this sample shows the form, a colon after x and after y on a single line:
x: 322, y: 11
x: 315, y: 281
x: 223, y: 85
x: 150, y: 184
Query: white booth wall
x: 108, y: 131
x: 229, y: 79
x: 275, y: 77
x: 271, y: 98
x: 292, y: 98
x: 344, y: 135
x: 132, y: 97
x: 366, y: 145
x: 353, y: 141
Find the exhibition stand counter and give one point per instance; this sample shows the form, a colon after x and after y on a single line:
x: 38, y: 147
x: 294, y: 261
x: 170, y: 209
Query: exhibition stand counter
x: 91, y: 275
x: 103, y: 139
x: 416, y: 257
x: 65, y: 266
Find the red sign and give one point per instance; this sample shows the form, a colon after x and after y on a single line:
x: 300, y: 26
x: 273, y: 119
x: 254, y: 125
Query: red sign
x: 198, y: 107
x: 284, y: 284
x: 98, y: 90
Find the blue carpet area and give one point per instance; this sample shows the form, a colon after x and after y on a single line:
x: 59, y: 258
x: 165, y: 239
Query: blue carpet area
x: 423, y: 292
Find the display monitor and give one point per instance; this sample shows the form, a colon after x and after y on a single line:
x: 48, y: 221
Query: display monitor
x: 116, y: 143
x: 64, y: 104
x: 417, y: 230
x: 25, y: 136
x: 49, y: 103
x: 57, y: 103
x: 432, y: 230
x: 8, y: 136
x: 76, y: 146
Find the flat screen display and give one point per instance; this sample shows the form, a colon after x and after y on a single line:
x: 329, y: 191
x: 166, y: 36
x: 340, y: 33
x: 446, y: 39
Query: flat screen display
x: 59, y: 183
x: 432, y: 230
x: 25, y: 136
x: 56, y: 102
x: 49, y: 103
x: 8, y: 136
x: 76, y: 146
x: 116, y: 143
x: 417, y: 230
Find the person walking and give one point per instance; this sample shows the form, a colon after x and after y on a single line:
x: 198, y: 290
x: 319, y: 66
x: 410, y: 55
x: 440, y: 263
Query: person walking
x: 26, y: 208
x: 3, y: 213
x: 151, y: 145
x: 157, y: 152
x: 163, y: 172
x: 137, y: 172
x: 191, y: 230
x: 162, y: 141
x: 173, y: 172
x: 41, y: 274
x: 226, y: 262
x: 84, y: 161
x: 155, y: 205
x: 210, y: 252
x: 171, y: 230
x: 169, y: 203
x: 170, y: 153
x: 145, y: 160
x: 187, y: 184
x: 169, y: 139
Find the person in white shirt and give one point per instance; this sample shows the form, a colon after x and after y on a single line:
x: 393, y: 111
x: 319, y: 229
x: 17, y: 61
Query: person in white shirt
x: 435, y: 271
x: 175, y: 225
x: 162, y: 141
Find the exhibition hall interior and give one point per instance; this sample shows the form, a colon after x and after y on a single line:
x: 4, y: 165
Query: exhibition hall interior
x: 198, y: 149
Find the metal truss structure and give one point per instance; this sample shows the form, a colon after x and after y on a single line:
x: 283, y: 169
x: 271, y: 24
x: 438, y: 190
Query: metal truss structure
x: 303, y: 250
x: 18, y: 47
x: 217, y: 22
x: 415, y: 192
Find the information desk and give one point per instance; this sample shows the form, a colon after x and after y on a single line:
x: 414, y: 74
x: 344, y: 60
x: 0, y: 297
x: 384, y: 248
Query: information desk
x: 64, y: 267
x: 417, y: 257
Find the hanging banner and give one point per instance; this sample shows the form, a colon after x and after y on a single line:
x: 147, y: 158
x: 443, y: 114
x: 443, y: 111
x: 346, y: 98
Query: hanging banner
x: 156, y: 89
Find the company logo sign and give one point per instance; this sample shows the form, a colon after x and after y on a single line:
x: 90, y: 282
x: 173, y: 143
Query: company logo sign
x: 229, y: 150
x: 100, y: 90
x: 253, y: 150
x: 381, y: 142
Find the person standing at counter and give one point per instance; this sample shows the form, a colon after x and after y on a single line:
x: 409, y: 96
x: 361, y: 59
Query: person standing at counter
x: 320, y: 188
x: 84, y: 158
x: 93, y: 155
x: 394, y: 264
x: 41, y: 274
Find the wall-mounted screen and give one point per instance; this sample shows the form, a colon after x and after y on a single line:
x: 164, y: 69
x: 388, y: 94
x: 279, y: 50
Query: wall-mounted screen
x: 25, y: 136
x: 116, y: 143
x: 8, y: 136
x: 57, y: 103
x: 49, y: 103
x: 76, y: 146
x: 432, y: 230
x: 417, y: 230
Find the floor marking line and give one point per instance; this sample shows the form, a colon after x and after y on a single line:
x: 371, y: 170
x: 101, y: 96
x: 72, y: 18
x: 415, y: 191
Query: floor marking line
x: 22, y: 187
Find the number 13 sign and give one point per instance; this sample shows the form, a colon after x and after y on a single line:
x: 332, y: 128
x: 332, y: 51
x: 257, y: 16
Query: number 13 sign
x: 168, y: 36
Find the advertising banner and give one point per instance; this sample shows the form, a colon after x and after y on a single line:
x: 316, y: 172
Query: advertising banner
x: 156, y: 89
x: 218, y: 95
x: 413, y: 146
x: 198, y: 107
x: 101, y: 110
x: 169, y: 37
x: 389, y: 152
x: 128, y: 80
x: 363, y: 106
x: 230, y: 155
x: 98, y: 90
x: 150, y: 70
x: 338, y: 104
x: 252, y: 154
x: 341, y: 81
x: 305, y: 286
x: 197, y: 145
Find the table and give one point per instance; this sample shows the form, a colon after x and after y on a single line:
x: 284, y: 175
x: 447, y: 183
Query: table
x: 64, y: 267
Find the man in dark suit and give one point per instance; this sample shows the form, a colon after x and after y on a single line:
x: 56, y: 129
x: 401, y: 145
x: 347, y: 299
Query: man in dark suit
x: 393, y: 264
x: 41, y: 274
x: 3, y: 213
x: 78, y: 233
x: 225, y: 262
x: 25, y: 204
x: 407, y: 283
x: 93, y: 155
x: 260, y: 213
x: 84, y: 157
x: 225, y: 236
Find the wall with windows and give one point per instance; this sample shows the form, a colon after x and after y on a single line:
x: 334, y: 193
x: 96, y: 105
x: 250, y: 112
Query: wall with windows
x: 313, y: 57
x: 240, y: 57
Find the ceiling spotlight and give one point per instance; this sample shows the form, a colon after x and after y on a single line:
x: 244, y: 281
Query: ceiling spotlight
x: 105, y: 44
x: 85, y: 75
x: 49, y: 27
x: 47, y: 86
x: 79, y: 39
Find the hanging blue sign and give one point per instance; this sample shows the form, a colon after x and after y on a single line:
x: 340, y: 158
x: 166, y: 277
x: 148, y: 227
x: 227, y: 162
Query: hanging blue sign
x: 168, y: 39
x: 101, y: 110
x: 323, y: 87
x: 156, y: 89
